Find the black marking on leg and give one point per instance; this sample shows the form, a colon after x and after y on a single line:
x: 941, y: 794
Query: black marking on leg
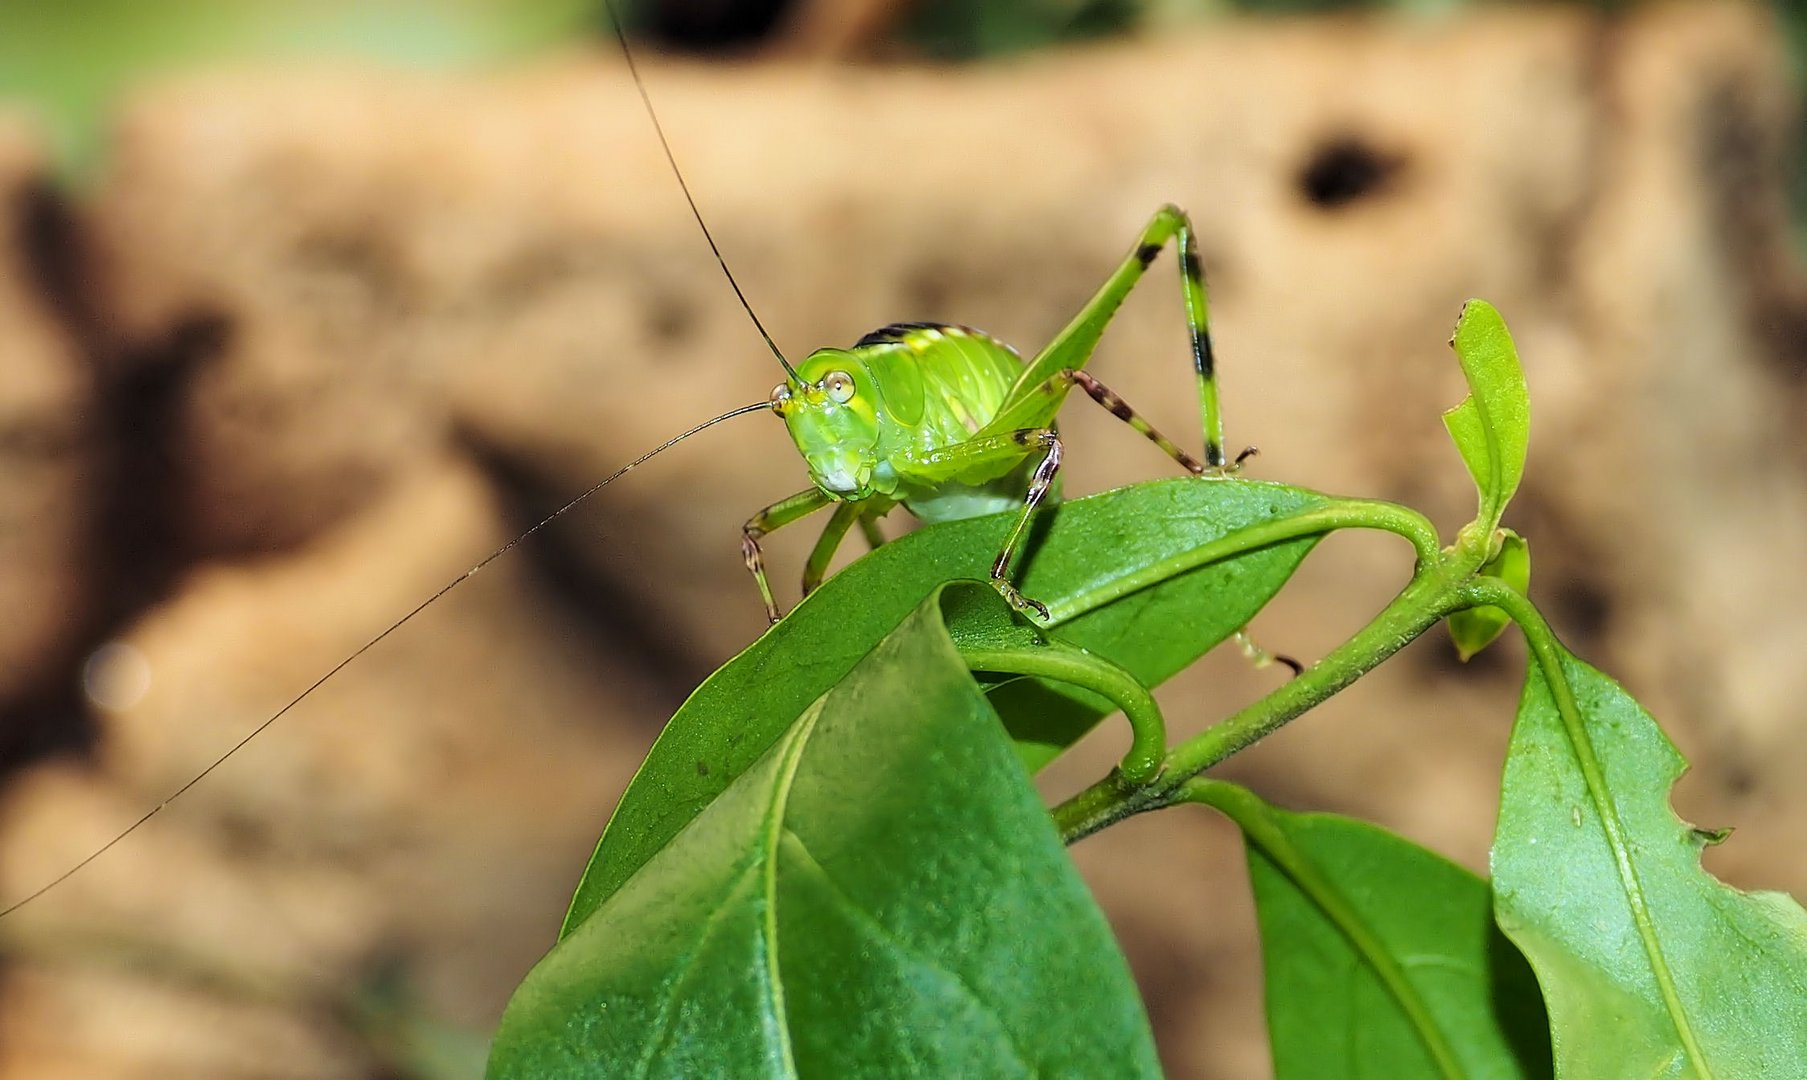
x: 1044, y: 473
x: 1203, y: 359
x: 1194, y: 270
x: 1298, y: 668
x: 1147, y: 254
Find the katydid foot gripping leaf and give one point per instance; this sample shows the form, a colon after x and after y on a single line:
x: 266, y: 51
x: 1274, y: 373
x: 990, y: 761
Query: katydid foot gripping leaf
x: 880, y: 895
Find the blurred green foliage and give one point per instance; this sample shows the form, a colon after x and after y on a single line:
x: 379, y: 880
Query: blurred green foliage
x: 66, y: 61
x: 955, y: 30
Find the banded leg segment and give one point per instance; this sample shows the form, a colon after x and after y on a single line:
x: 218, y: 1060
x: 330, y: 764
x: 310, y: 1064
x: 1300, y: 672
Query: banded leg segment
x: 1076, y: 343
x: 774, y: 517
x: 1120, y: 409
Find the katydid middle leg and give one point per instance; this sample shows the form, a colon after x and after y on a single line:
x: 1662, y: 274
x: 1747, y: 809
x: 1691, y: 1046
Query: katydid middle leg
x: 981, y: 452
x: 875, y: 538
x: 845, y: 515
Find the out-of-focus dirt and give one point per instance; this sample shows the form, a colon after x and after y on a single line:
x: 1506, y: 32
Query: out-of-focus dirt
x: 46, y: 442
x: 388, y: 319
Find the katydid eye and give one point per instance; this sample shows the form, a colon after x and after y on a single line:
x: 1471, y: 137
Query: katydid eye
x: 781, y: 396
x: 839, y: 386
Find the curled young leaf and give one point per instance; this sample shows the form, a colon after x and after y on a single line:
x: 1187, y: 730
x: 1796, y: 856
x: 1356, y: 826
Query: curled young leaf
x: 1492, y: 425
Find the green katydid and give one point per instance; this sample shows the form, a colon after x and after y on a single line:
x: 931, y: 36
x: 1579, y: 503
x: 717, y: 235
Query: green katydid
x: 942, y: 419
x: 951, y: 423
x: 947, y: 420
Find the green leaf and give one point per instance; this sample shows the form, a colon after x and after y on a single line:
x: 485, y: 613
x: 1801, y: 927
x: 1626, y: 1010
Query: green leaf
x: 1650, y: 966
x: 1492, y: 425
x: 1475, y: 628
x: 881, y: 894
x: 1078, y: 554
x: 1381, y: 958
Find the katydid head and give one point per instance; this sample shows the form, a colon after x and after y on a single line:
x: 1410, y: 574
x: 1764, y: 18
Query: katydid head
x: 829, y: 408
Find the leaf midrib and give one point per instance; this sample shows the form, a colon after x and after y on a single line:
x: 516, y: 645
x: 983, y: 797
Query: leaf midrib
x: 772, y: 834
x: 1562, y: 695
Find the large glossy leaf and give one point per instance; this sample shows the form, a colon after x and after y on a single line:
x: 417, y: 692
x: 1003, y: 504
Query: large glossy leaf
x: 1651, y: 968
x: 880, y: 895
x: 1079, y: 550
x: 1382, y: 958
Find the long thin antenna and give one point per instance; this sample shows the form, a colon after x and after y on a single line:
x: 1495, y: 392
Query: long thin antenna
x: 665, y: 144
x: 372, y: 643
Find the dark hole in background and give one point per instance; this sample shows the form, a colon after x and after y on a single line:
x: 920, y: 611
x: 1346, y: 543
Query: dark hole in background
x: 705, y: 25
x: 1345, y: 169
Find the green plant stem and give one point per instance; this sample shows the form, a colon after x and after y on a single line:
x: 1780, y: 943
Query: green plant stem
x: 1064, y: 663
x: 1436, y: 590
x: 1339, y: 514
x: 1426, y: 599
x: 1256, y: 820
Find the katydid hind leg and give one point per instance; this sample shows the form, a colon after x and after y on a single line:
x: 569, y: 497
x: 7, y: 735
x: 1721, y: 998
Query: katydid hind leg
x: 1261, y: 657
x: 774, y: 517
x: 1121, y: 409
x: 1074, y: 346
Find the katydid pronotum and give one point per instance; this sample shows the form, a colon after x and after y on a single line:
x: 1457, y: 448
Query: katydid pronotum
x: 941, y: 419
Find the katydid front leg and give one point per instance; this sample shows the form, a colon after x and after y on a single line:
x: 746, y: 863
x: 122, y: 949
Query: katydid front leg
x: 774, y: 517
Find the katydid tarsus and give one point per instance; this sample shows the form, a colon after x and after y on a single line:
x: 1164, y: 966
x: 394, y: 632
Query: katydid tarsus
x: 943, y: 420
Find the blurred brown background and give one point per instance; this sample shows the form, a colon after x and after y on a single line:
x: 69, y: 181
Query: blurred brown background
x: 299, y: 321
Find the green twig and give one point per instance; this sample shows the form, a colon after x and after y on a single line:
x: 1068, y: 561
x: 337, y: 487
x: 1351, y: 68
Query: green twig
x: 1339, y: 514
x: 1436, y: 590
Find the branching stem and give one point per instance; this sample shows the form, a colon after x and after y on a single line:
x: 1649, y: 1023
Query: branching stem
x: 1437, y: 589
